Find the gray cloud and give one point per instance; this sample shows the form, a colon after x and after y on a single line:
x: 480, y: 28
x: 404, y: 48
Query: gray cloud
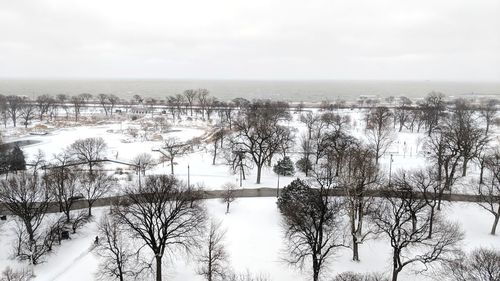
x: 260, y: 39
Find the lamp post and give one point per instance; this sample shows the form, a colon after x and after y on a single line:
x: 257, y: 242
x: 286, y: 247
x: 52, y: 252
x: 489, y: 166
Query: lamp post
x: 278, y: 187
x: 161, y: 152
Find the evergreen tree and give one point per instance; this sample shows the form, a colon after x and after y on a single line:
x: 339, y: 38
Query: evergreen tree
x: 284, y: 167
x: 16, y: 159
x: 304, y: 165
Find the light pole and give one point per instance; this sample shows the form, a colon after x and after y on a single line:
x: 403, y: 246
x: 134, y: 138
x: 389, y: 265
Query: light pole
x: 278, y: 187
x: 161, y: 152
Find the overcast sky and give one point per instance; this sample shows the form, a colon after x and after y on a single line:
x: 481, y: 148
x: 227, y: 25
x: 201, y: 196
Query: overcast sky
x: 253, y: 39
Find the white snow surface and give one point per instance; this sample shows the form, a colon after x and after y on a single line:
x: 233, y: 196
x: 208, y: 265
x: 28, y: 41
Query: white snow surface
x: 254, y: 236
x: 254, y: 241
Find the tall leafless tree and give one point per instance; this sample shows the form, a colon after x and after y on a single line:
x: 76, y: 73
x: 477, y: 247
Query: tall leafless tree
x: 174, y: 148
x: 160, y: 214
x: 489, y: 191
x: 78, y: 102
x: 470, y: 137
x: 228, y: 194
x: 118, y: 258
x: 25, y: 196
x: 259, y: 134
x: 88, y: 150
x: 27, y: 112
x: 65, y: 186
x: 488, y: 111
x: 14, y: 105
x: 359, y: 176
x: 190, y: 97
x: 95, y: 186
x: 403, y: 219
x: 143, y: 162
x: 379, y: 133
x: 481, y: 264
x: 213, y: 258
x: 432, y: 109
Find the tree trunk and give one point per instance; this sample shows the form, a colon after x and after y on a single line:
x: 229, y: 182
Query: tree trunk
x: 395, y: 273
x: 395, y: 267
x: 172, y: 166
x: 481, y: 173
x: 315, y: 271
x: 215, y: 152
x: 431, y: 222
x: 259, y: 171
x: 120, y: 273
x: 227, y: 207
x: 90, y: 209
x: 355, y: 249
x: 495, y: 223
x: 464, y: 168
x: 158, y: 268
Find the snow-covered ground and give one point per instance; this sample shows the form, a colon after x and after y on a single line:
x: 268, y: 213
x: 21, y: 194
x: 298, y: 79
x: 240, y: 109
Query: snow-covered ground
x: 254, y: 236
x: 254, y: 241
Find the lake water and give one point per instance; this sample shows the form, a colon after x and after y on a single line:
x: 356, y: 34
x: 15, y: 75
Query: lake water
x: 307, y: 91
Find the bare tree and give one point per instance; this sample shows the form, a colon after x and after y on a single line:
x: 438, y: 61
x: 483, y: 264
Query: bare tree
x: 190, y: 96
x: 103, y: 100
x: 26, y: 197
x: 112, y: 100
x: 202, y: 95
x: 78, y: 102
x: 432, y: 109
x: 65, y: 186
x: 44, y: 104
x: 379, y: 132
x: 62, y: 101
x: 8, y: 274
x: 115, y: 250
x: 402, y: 112
x: 445, y: 154
x: 479, y: 265
x: 489, y: 192
x: 401, y: 216
x: 27, y: 112
x: 309, y: 119
x: 79, y: 220
x: 360, y: 175
x: 488, y: 111
x: 228, y: 194
x: 259, y: 135
x: 424, y: 181
x: 159, y: 214
x: 470, y: 137
x: 213, y: 258
x: 95, y: 186
x: 143, y: 162
x: 174, y: 148
x: 4, y: 110
x: 312, y: 223
x: 217, y: 139
x: 14, y: 105
x: 351, y: 276
x: 88, y: 150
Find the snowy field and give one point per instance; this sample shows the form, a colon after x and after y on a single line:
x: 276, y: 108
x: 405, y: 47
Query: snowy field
x: 254, y: 242
x: 254, y: 236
